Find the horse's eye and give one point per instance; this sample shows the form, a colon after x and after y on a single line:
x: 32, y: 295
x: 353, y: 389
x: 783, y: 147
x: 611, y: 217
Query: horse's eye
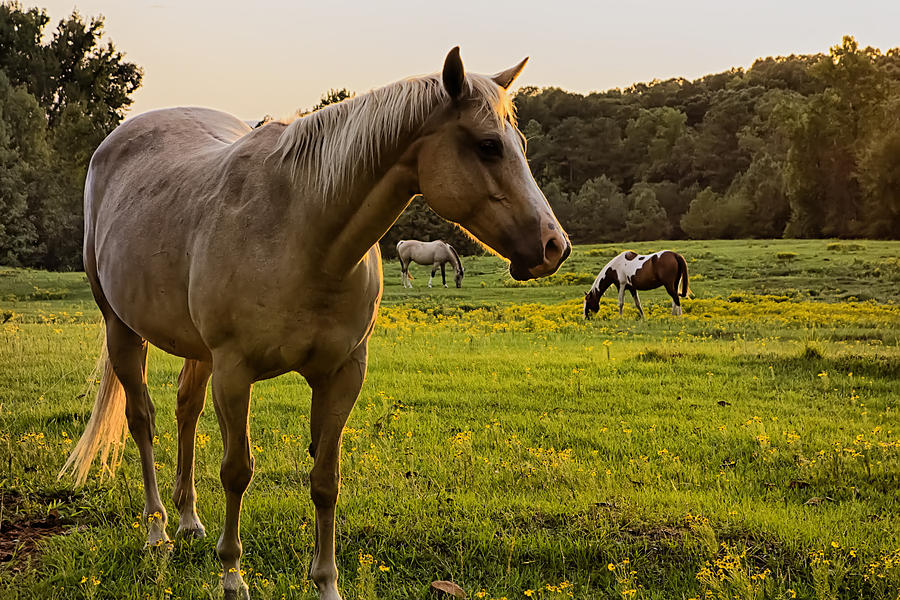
x: 490, y: 148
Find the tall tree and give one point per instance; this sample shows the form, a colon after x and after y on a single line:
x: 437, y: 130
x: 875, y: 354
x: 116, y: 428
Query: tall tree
x: 23, y: 151
x: 78, y: 88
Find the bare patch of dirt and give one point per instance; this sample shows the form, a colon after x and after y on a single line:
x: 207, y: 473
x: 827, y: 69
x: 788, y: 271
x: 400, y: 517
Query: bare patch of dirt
x: 20, y: 532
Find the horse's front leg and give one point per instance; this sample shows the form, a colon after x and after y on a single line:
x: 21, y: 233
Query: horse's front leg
x: 332, y: 399
x: 444, y: 274
x: 621, y: 289
x: 231, y: 397
x: 637, y: 302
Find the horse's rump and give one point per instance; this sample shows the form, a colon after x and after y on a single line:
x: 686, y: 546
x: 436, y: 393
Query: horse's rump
x: 155, y: 188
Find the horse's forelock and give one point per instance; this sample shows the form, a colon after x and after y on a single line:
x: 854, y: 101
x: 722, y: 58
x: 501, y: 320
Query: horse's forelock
x: 494, y: 102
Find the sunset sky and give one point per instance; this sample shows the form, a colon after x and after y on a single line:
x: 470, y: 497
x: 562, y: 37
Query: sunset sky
x: 270, y: 57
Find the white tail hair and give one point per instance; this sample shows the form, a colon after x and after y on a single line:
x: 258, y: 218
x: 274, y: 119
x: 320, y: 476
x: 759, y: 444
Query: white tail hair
x: 106, y: 429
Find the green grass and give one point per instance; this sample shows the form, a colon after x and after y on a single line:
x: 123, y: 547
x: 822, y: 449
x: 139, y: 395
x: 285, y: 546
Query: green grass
x: 749, y: 450
x: 821, y: 270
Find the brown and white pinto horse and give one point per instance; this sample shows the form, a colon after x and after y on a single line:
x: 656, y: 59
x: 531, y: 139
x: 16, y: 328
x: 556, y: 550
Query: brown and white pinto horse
x: 631, y: 271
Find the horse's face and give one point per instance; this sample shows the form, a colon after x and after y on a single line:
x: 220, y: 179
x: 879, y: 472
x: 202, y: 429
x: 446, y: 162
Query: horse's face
x: 472, y: 170
x: 591, y: 302
x: 459, y: 276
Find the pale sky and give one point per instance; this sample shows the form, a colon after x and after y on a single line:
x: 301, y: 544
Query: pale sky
x: 272, y: 57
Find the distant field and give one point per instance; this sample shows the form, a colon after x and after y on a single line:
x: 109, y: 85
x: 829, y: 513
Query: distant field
x: 749, y: 450
x: 828, y: 270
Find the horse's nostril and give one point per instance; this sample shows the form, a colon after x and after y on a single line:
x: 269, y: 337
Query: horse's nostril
x: 552, y: 251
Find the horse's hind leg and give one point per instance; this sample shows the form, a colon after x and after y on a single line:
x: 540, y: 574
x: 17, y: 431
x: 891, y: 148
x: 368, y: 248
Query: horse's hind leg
x: 676, y: 301
x: 191, y: 397
x: 332, y: 400
x: 404, y: 274
x: 433, y: 271
x: 128, y: 356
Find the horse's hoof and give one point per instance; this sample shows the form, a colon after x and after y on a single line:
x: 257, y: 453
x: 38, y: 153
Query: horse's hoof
x: 157, y: 538
x: 234, y: 586
x: 329, y: 593
x: 161, y: 546
x: 242, y: 593
x: 197, y: 532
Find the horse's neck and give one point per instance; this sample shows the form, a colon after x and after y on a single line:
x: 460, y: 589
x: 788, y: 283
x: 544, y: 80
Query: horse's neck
x: 351, y: 228
x: 348, y: 226
x: 450, y: 257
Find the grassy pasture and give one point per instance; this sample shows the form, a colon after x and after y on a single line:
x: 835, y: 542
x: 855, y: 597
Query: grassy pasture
x: 750, y: 449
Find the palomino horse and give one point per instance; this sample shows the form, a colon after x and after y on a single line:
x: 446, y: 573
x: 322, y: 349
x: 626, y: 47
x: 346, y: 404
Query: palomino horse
x: 633, y: 272
x: 437, y: 254
x: 252, y: 253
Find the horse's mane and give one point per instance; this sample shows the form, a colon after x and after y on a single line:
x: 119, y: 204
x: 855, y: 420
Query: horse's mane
x: 455, y: 257
x: 330, y: 146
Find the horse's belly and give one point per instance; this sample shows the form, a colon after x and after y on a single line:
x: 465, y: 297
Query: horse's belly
x: 154, y: 304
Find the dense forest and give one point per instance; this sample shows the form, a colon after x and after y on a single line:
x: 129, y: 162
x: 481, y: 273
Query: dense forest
x: 798, y: 146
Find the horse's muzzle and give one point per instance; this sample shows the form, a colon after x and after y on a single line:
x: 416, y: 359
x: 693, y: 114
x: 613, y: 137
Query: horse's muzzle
x: 556, y: 250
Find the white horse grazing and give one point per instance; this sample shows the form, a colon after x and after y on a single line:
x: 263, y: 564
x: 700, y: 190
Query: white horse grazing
x: 631, y: 271
x: 437, y: 254
x: 252, y: 253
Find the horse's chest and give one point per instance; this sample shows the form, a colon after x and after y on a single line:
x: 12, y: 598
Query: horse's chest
x: 322, y: 336
x: 309, y: 346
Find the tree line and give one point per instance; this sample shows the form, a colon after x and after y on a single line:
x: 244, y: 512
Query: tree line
x: 797, y: 146
x: 60, y: 95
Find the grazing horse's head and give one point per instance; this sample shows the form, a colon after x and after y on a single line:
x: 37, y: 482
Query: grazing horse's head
x: 593, y: 295
x: 459, y: 276
x: 591, y: 302
x: 472, y: 170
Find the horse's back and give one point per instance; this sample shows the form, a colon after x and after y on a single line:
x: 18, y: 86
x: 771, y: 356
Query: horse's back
x: 423, y: 253
x: 171, y: 131
x: 153, y: 153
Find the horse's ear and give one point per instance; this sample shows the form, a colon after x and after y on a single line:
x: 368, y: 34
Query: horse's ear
x: 505, y: 78
x: 585, y: 293
x: 454, y: 74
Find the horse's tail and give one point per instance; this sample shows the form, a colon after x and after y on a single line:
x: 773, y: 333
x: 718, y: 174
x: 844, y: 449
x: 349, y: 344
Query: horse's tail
x: 683, y: 275
x: 106, y: 429
x: 459, y: 266
x: 400, y: 256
